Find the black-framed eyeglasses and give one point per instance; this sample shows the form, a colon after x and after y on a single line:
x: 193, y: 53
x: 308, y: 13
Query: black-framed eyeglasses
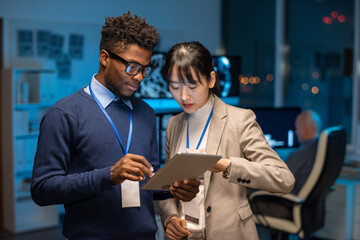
x: 133, y: 68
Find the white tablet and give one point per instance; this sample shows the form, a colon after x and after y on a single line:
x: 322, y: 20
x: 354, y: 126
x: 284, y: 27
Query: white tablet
x: 181, y: 166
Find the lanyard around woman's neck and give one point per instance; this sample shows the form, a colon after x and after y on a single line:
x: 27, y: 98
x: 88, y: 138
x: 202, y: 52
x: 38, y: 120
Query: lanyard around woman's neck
x: 203, y: 133
x: 113, y: 125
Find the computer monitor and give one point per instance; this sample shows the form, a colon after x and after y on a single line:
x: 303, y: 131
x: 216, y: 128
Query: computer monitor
x: 278, y: 125
x: 228, y: 69
x: 154, y: 86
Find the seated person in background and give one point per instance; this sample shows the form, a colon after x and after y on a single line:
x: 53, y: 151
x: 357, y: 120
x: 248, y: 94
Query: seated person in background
x: 301, y: 161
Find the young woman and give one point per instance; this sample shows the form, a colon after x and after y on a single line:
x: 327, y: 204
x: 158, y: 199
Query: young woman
x: 221, y: 209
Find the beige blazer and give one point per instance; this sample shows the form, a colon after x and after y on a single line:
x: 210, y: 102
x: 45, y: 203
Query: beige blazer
x: 234, y: 134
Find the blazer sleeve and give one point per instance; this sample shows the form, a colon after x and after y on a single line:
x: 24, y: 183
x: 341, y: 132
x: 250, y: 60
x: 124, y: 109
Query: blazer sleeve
x: 258, y: 166
x: 168, y: 207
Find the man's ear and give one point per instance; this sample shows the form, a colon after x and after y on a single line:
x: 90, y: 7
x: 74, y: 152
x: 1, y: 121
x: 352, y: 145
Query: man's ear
x: 104, y: 57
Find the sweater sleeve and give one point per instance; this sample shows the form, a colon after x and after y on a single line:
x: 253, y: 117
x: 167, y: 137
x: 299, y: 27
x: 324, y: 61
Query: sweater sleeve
x: 51, y: 182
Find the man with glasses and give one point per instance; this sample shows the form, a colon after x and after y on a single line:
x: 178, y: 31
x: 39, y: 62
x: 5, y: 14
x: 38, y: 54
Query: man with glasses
x: 97, y: 146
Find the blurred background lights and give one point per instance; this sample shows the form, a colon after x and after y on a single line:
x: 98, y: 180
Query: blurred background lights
x: 305, y: 86
x: 341, y: 18
x: 335, y: 17
x: 327, y: 20
x: 269, y: 77
x: 315, y: 90
x: 315, y: 75
x: 245, y: 80
x: 334, y: 14
x: 249, y: 79
x: 252, y: 80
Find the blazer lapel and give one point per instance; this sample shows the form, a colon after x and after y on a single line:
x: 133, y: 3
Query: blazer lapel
x: 215, y: 134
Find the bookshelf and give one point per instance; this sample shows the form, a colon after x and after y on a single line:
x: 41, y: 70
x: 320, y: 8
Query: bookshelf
x: 26, y: 94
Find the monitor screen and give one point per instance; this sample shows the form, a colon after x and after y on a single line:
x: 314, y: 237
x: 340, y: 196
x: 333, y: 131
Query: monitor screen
x: 278, y: 125
x: 227, y: 68
x: 154, y: 86
x: 228, y: 71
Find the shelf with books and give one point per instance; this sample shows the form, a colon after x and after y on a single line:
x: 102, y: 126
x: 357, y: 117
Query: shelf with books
x: 26, y: 94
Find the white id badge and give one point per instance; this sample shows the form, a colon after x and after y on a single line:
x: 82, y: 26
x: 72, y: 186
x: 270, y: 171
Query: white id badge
x: 130, y: 194
x: 199, y: 151
x: 192, y: 210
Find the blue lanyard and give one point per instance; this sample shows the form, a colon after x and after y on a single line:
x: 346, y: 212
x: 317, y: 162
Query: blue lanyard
x: 113, y: 125
x: 203, y: 133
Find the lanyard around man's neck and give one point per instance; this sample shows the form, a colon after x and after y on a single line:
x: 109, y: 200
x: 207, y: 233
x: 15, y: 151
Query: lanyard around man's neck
x: 113, y: 125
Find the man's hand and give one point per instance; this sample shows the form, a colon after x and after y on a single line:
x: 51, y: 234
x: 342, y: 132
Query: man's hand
x: 132, y: 167
x: 176, y: 229
x: 185, y: 190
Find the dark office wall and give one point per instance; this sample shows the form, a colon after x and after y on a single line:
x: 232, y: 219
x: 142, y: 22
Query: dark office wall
x: 305, y: 23
x: 324, y: 48
x: 250, y: 25
x: 249, y: 30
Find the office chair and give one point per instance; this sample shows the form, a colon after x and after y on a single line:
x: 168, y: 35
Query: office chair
x: 303, y: 214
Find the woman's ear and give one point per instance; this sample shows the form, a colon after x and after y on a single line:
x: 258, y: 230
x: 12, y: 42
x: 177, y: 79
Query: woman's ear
x: 104, y: 57
x: 212, y: 79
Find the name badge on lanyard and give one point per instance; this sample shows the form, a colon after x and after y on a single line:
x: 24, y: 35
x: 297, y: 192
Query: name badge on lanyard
x: 130, y: 193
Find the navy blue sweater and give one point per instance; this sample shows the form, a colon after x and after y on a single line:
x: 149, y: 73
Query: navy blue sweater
x: 77, y: 147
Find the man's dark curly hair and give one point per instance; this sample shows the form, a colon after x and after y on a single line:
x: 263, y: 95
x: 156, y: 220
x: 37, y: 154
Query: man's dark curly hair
x: 120, y: 31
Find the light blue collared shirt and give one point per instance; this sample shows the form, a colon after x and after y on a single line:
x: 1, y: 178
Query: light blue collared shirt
x: 104, y: 95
